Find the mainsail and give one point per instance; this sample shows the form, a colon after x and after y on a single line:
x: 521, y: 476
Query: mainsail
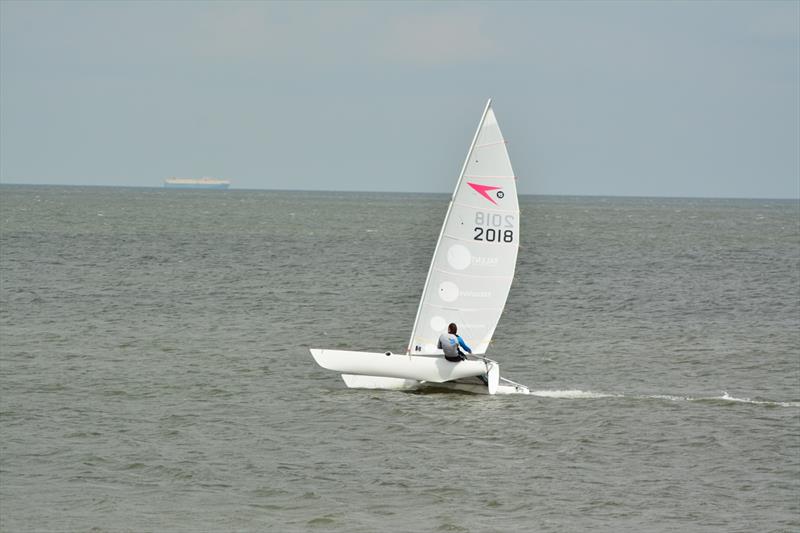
x: 476, y: 254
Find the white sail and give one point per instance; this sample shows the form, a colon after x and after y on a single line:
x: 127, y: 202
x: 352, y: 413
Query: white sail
x: 475, y: 258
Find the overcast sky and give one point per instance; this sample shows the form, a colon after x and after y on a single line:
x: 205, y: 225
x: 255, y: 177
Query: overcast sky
x: 595, y: 98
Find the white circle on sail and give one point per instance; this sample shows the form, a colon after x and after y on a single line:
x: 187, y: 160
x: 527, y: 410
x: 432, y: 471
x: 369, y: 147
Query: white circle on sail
x: 448, y: 291
x: 459, y: 257
x: 438, y: 323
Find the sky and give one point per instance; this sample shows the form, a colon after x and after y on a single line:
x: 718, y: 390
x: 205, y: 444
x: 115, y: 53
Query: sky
x: 682, y: 99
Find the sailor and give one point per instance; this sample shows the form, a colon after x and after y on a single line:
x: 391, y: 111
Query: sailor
x: 451, y: 344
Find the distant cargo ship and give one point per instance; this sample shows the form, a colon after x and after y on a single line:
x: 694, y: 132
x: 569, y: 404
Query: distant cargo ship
x: 192, y: 183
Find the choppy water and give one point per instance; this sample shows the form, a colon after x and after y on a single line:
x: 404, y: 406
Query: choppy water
x: 155, y: 375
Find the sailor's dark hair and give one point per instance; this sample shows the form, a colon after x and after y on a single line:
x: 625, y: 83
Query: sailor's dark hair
x: 452, y: 328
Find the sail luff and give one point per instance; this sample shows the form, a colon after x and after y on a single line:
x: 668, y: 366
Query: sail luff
x: 444, y: 224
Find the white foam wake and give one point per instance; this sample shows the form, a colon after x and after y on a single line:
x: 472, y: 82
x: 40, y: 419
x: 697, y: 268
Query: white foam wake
x: 727, y: 397
x: 588, y: 395
x: 724, y: 397
x: 573, y: 394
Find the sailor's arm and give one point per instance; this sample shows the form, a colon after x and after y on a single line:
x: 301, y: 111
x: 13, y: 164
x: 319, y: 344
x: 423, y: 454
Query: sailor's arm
x: 463, y: 344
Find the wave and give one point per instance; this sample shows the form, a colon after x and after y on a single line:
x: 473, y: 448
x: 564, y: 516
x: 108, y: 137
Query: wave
x: 573, y: 394
x: 727, y: 397
x: 724, y: 397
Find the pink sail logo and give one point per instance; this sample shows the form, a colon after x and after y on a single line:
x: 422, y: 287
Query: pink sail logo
x: 483, y: 190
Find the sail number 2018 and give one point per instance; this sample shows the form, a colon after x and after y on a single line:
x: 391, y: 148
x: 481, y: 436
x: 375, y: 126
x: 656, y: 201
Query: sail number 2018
x: 492, y: 227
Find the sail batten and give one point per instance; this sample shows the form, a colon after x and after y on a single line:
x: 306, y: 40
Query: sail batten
x: 487, y: 245
x: 496, y: 210
x: 475, y: 256
x: 467, y: 309
x: 490, y: 144
x: 492, y: 177
x: 451, y: 273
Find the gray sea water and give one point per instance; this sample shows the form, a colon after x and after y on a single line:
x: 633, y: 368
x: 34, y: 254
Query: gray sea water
x: 155, y: 374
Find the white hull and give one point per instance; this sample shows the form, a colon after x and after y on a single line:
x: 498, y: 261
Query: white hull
x: 474, y: 386
x: 354, y: 381
x: 372, y: 370
x: 433, y: 368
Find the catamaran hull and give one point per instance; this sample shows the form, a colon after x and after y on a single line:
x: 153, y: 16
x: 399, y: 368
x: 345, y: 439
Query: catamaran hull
x: 378, y: 369
x: 390, y: 365
x: 466, y: 385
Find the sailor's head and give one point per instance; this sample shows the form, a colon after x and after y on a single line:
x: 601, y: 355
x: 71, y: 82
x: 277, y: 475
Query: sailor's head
x: 452, y: 328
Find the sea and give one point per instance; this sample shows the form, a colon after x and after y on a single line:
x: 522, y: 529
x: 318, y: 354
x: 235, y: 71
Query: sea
x: 155, y: 372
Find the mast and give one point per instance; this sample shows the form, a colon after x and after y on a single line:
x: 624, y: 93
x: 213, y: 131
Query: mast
x: 444, y: 224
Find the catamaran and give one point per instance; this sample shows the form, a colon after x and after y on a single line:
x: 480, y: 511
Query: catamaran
x: 468, y: 283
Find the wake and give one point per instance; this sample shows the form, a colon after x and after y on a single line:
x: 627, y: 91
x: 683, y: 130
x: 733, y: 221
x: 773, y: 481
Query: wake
x: 589, y: 395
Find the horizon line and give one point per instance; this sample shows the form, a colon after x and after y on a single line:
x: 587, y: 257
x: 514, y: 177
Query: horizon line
x: 357, y: 191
